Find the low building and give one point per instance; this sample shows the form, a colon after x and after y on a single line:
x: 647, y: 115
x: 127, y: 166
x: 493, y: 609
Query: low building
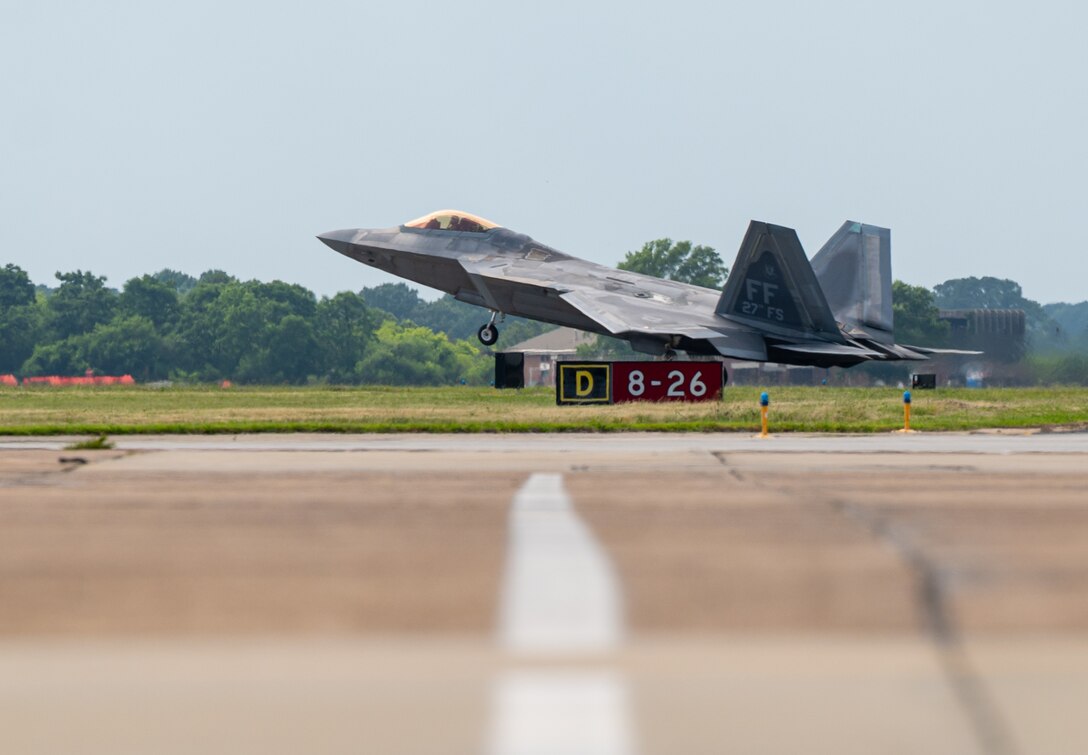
x: 999, y: 333
x: 542, y: 351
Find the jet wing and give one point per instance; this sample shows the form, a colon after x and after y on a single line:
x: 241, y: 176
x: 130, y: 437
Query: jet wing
x: 480, y: 271
x: 730, y: 342
x: 622, y: 315
x: 592, y: 309
x: 615, y: 312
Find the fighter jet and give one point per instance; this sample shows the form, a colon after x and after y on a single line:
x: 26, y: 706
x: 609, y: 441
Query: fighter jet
x: 776, y: 306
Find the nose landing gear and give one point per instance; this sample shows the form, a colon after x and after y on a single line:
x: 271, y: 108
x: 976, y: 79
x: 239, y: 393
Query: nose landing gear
x: 489, y: 333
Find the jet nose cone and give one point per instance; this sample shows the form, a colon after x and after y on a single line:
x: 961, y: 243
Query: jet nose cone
x: 339, y: 240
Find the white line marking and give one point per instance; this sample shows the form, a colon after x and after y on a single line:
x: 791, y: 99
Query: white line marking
x: 560, y: 595
x: 560, y: 713
x: 560, y: 592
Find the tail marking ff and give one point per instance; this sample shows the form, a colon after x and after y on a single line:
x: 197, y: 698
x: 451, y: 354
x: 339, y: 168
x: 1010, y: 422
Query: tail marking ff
x: 772, y: 286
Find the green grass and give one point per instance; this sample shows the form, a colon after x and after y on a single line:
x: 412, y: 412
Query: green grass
x: 92, y: 444
x: 120, y: 410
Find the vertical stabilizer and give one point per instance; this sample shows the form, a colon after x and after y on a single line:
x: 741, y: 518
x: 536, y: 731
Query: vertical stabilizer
x: 772, y: 286
x: 854, y: 269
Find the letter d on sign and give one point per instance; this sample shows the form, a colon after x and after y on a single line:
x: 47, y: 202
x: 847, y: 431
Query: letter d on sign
x: 583, y: 383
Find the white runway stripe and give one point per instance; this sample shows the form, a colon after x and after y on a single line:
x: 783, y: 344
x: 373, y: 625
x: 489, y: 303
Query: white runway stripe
x: 560, y: 713
x: 560, y: 595
x: 560, y: 592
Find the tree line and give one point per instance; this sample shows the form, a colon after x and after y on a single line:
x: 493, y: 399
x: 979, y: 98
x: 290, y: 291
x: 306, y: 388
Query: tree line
x: 170, y: 325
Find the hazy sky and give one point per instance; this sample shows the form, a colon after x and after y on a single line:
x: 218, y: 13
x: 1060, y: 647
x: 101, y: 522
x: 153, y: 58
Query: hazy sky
x: 194, y: 135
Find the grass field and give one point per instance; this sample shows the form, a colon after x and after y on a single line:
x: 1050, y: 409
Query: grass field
x: 116, y: 410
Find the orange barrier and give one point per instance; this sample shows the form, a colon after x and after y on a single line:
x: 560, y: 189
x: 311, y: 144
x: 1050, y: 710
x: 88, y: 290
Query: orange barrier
x: 8, y: 380
x: 83, y: 380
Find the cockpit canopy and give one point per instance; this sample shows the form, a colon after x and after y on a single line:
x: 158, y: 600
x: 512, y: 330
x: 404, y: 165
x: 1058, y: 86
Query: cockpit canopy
x: 452, y: 220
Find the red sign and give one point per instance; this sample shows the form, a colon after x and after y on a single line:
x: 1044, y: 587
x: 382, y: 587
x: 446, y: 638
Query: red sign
x: 667, y: 381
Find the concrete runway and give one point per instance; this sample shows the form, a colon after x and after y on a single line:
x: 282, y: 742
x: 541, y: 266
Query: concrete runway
x: 553, y: 593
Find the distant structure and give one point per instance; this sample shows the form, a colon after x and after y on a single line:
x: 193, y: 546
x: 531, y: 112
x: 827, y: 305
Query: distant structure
x: 542, y: 351
x: 999, y: 333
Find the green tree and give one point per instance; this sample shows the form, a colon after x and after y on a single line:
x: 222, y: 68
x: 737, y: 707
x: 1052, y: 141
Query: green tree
x: 196, y: 331
x: 980, y: 293
x: 1070, y: 369
x: 15, y: 287
x: 245, y: 318
x: 447, y: 315
x: 398, y: 299
x: 63, y: 357
x: 79, y: 303
x: 1071, y: 319
x: 460, y: 321
x: 180, y: 282
x: 697, y: 265
x: 248, y: 331
x: 285, y: 298
x: 1066, y: 328
x: 231, y: 329
x: 20, y: 332
x: 20, y: 318
x: 127, y: 345
x: 216, y: 276
x: 292, y: 350
x: 917, y: 319
x: 151, y: 298
x: 344, y: 329
x: 415, y: 355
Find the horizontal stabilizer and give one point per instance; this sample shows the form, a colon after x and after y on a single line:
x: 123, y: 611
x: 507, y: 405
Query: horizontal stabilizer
x: 823, y: 348
x: 928, y: 350
x: 773, y: 288
x: 739, y: 345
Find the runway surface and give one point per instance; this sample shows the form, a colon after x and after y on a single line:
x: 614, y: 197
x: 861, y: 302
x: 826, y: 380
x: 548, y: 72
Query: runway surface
x: 634, y: 593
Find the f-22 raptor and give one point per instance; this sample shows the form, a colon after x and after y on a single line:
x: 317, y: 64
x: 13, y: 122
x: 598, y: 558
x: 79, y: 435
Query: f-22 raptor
x: 776, y: 306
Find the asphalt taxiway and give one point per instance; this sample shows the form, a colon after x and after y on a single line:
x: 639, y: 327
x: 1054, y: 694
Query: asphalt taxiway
x: 554, y: 593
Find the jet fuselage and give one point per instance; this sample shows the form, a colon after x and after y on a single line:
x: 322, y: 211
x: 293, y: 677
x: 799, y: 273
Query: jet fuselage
x: 773, y: 306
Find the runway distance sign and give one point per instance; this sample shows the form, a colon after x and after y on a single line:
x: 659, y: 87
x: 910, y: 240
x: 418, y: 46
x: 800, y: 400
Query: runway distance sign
x: 621, y: 382
x: 667, y: 381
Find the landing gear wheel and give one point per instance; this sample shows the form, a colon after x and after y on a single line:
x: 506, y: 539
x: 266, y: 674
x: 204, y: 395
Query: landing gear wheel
x: 488, y: 334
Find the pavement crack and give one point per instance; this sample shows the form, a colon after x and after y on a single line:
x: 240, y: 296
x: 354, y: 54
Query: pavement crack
x: 989, y: 726
x: 733, y: 471
x: 984, y: 717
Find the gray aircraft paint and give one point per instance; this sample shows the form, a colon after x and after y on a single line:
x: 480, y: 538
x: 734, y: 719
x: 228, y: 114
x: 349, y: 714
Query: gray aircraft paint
x: 776, y: 306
